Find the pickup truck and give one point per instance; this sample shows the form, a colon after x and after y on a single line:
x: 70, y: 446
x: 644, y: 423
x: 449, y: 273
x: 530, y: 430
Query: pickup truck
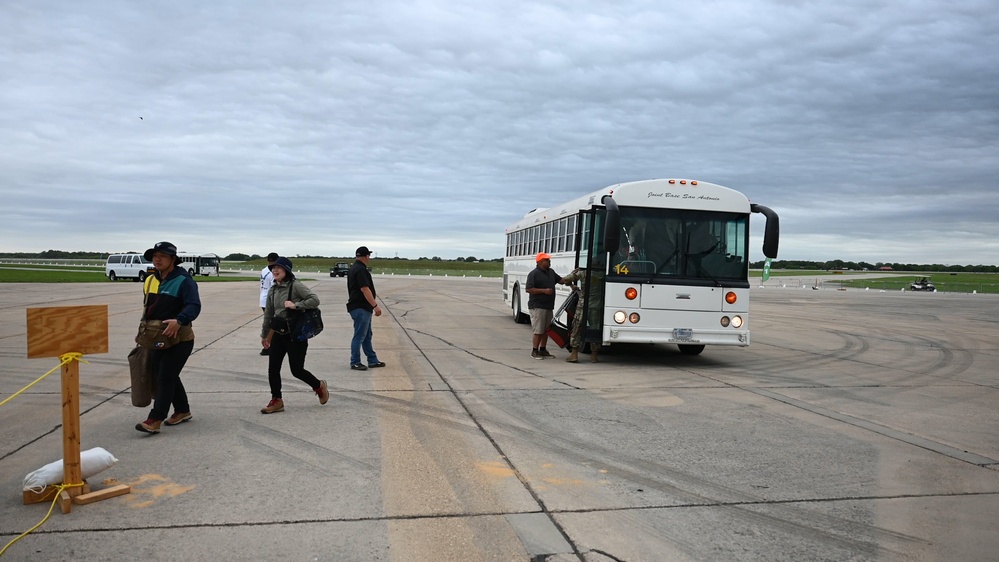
x: 339, y: 269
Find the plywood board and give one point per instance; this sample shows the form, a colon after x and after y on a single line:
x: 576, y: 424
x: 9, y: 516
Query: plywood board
x: 53, y: 331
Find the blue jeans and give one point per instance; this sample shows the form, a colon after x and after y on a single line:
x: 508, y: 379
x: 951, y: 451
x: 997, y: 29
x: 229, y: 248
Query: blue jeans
x: 362, y: 337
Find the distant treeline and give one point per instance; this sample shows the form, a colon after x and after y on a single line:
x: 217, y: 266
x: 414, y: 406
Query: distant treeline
x: 61, y: 255
x: 777, y: 264
x: 879, y: 266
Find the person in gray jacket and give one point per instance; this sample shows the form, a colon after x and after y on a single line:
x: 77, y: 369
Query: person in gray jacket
x: 284, y: 297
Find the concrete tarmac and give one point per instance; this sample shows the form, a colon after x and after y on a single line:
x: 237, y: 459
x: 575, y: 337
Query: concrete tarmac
x: 858, y: 425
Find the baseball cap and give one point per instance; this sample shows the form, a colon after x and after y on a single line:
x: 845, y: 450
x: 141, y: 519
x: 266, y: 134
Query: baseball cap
x: 542, y: 256
x: 362, y: 251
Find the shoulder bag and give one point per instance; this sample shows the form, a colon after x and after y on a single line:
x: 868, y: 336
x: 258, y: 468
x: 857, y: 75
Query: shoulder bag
x: 151, y: 336
x: 304, y: 324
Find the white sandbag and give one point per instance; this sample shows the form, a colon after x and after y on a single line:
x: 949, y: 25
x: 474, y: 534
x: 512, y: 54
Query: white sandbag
x: 92, y: 461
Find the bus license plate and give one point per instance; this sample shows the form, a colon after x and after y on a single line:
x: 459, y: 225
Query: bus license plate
x: 683, y: 334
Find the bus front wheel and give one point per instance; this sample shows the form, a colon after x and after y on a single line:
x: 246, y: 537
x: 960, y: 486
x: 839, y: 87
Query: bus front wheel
x: 691, y: 349
x: 518, y: 316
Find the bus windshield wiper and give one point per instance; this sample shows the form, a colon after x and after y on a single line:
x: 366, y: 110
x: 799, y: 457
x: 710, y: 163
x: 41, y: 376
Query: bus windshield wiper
x: 703, y: 272
x: 661, y: 267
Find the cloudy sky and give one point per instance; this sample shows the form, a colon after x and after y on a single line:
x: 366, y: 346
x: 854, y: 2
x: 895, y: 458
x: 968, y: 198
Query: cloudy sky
x: 424, y: 128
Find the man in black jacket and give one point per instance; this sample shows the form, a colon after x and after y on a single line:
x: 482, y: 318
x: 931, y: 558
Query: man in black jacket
x: 171, y: 296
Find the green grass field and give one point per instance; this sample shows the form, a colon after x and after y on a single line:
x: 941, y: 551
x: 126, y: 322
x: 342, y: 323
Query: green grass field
x: 944, y: 282
x: 321, y: 266
x: 80, y: 272
x: 23, y: 273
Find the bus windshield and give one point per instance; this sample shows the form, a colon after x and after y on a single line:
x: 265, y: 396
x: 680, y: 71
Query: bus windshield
x: 662, y: 244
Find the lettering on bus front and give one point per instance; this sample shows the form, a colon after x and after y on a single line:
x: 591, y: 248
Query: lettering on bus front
x: 671, y: 195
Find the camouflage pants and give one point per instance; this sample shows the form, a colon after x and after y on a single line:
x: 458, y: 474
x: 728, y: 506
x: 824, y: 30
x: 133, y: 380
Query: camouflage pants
x: 576, y: 336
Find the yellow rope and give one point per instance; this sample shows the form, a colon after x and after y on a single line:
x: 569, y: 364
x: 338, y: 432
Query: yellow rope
x: 63, y: 359
x: 60, y: 488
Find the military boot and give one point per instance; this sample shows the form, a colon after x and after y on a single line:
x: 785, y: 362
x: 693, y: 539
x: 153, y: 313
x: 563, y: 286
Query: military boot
x: 573, y: 355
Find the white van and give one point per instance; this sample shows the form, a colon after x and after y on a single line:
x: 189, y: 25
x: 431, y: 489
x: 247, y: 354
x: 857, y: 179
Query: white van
x: 132, y: 266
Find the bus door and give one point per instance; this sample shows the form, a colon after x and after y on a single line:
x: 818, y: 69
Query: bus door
x: 590, y: 254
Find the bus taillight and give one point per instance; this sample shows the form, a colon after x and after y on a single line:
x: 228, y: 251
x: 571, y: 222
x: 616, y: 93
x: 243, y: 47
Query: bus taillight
x: 631, y: 293
x: 730, y: 297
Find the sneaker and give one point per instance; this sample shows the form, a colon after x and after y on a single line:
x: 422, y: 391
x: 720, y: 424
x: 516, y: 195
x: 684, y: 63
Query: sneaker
x: 322, y: 392
x: 275, y: 405
x: 535, y: 354
x: 178, y: 417
x: 358, y: 367
x: 376, y: 365
x: 544, y: 353
x: 149, y: 426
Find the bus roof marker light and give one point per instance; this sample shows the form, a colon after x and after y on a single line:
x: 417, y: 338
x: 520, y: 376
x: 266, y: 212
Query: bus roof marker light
x: 631, y: 293
x: 683, y: 182
x: 693, y: 182
x: 672, y: 182
x: 731, y: 297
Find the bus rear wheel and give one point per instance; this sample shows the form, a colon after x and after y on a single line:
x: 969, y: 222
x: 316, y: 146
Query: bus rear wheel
x: 691, y: 349
x: 518, y: 316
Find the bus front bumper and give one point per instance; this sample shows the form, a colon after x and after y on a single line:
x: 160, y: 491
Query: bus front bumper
x: 632, y: 334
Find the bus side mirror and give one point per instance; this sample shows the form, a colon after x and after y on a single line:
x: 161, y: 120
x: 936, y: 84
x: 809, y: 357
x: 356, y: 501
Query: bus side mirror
x: 771, y: 237
x: 612, y: 224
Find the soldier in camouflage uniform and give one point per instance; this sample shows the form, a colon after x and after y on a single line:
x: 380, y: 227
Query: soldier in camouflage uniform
x: 576, y: 337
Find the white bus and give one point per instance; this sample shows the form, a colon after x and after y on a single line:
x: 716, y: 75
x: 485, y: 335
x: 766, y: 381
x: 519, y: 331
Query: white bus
x: 666, y: 260
x: 199, y: 264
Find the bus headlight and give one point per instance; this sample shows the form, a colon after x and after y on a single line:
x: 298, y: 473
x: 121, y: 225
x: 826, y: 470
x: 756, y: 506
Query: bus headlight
x: 620, y: 316
x: 634, y: 318
x: 725, y: 321
x: 737, y: 321
x: 731, y: 297
x: 631, y: 293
